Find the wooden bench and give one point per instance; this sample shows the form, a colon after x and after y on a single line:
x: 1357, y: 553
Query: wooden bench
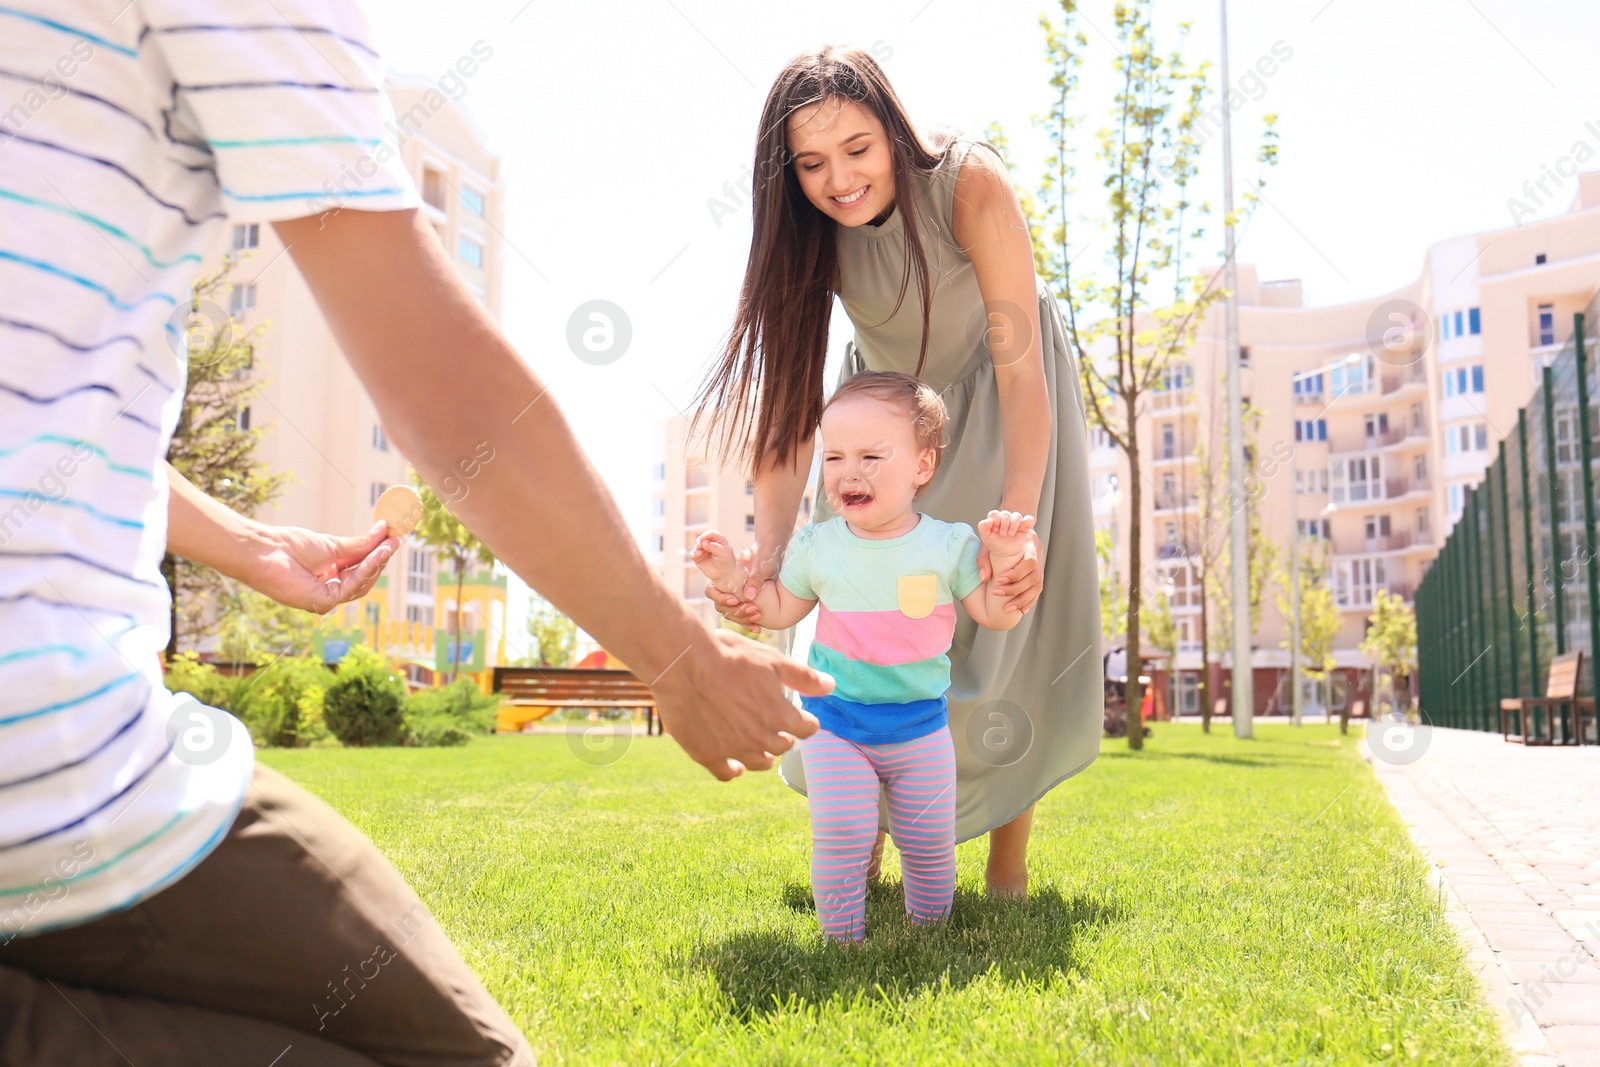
x: 1560, y: 691
x: 577, y: 687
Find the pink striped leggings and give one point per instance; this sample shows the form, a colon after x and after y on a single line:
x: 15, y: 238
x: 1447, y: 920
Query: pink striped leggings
x: 919, y: 781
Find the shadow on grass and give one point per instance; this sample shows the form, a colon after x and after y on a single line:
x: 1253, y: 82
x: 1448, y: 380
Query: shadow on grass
x: 763, y: 973
x: 1276, y: 759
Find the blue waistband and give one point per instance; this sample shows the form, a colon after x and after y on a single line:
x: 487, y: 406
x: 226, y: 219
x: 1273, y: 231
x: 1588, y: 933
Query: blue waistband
x: 878, y: 724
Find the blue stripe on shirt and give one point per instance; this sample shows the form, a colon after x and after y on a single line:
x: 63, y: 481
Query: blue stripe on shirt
x: 99, y: 224
x: 88, y: 509
x: 77, y: 279
x: 278, y: 28
x: 230, y: 86
x: 74, y: 442
x: 272, y: 142
x: 314, y: 194
x: 62, y: 705
x: 192, y: 220
x: 86, y: 757
x: 64, y: 28
x: 52, y: 90
x: 97, y: 809
x: 87, y: 562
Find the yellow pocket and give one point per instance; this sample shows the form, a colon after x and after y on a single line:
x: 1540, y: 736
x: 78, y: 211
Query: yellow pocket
x: 918, y: 592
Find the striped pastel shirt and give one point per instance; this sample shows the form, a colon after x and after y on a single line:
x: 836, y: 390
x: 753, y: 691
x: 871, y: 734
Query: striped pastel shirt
x: 130, y: 133
x: 886, y: 614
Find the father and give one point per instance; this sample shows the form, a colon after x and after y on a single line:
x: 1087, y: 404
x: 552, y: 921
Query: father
x: 155, y: 907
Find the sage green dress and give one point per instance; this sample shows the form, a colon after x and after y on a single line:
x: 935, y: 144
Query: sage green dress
x: 1026, y: 706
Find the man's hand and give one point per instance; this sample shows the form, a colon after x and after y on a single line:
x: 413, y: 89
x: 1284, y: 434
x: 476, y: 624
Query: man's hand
x: 317, y: 572
x: 722, y: 701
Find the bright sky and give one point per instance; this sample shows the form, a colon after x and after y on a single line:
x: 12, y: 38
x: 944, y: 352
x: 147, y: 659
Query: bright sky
x: 1401, y: 124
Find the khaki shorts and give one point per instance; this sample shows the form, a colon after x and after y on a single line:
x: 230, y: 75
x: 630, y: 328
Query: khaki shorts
x: 294, y: 942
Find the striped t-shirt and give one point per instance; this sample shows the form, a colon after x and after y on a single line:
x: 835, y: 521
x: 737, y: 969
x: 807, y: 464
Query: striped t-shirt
x: 129, y: 134
x: 886, y: 614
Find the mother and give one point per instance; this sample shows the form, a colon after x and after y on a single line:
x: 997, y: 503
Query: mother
x: 850, y: 200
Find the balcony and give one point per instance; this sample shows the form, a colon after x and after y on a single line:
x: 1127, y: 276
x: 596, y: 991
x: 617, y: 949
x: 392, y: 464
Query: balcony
x: 1174, y: 502
x: 1398, y: 541
x: 1356, y: 443
x: 1395, y: 488
x: 1171, y: 399
x: 1172, y: 552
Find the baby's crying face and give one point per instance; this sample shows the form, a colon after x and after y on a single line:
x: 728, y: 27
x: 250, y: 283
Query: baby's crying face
x: 871, y: 466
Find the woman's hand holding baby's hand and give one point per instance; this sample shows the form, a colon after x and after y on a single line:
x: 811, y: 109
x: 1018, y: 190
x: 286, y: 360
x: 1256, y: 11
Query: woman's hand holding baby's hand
x: 738, y: 605
x: 1019, y: 570
x: 728, y: 571
x: 1005, y: 533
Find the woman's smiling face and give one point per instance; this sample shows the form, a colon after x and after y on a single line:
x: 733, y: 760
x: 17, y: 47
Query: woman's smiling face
x: 842, y: 158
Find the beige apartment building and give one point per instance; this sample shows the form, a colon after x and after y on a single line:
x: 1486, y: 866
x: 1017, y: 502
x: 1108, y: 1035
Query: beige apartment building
x: 322, y: 427
x: 692, y: 495
x: 1374, y: 416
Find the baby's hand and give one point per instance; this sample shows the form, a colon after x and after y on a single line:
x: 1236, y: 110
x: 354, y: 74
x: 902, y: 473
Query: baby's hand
x: 1005, y: 533
x: 717, y: 561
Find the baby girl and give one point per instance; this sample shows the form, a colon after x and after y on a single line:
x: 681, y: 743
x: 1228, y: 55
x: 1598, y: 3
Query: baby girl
x: 887, y: 578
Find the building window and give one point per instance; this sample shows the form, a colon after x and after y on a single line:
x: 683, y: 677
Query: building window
x: 1244, y: 357
x: 472, y: 200
x: 1311, y: 429
x: 749, y: 489
x: 1377, y: 424
x: 661, y: 472
x: 421, y: 614
x: 1539, y: 260
x: 661, y: 507
x: 1169, y: 446
x: 661, y: 543
x: 374, y: 613
x: 1455, y: 500
x: 419, y: 571
x: 1474, y: 324
x: 1422, y: 520
x: 1308, y: 387
x: 376, y: 492
x: 241, y: 421
x: 1416, y: 418
x: 1480, y: 437
x: 1419, y: 468
x: 241, y: 299
x: 433, y: 188
x: 379, y: 440
x: 1377, y: 526
x: 1360, y: 478
x: 749, y: 524
x: 1458, y: 324
x: 1356, y: 580
x: 246, y: 236
x: 1477, y: 378
x: 470, y: 251
x: 1547, y: 324
x: 1444, y: 326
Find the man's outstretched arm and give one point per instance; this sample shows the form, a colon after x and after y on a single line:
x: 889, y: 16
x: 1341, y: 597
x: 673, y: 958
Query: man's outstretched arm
x: 449, y: 386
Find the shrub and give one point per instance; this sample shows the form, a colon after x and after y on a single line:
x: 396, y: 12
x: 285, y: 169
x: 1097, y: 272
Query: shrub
x: 282, y: 702
x: 364, y: 705
x: 449, y: 716
x: 186, y: 674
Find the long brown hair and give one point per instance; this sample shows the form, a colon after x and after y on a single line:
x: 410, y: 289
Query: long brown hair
x: 775, y: 352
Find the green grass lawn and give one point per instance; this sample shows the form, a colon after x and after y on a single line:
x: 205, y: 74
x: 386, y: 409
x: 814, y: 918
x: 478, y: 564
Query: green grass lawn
x: 1204, y: 901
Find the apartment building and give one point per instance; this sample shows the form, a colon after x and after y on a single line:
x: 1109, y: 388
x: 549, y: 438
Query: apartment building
x: 1372, y: 418
x: 324, y: 429
x: 692, y: 494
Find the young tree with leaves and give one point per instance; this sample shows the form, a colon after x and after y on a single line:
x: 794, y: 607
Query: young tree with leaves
x: 441, y: 531
x: 554, y: 635
x: 213, y: 445
x: 1130, y: 318
x: 1320, y: 617
x: 1391, y: 642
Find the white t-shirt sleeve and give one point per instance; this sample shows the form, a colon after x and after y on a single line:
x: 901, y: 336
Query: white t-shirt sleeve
x: 288, y: 98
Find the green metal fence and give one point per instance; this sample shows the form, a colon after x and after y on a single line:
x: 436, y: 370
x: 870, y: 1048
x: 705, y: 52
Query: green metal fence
x: 1515, y: 584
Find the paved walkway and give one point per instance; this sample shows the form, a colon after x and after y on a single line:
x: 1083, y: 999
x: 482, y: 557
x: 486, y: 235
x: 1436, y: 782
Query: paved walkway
x: 1514, y: 836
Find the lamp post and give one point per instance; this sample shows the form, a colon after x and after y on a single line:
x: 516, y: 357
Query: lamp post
x: 1243, y: 698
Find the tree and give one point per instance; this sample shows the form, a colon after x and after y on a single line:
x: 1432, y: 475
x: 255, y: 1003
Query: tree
x: 1163, y: 630
x: 1205, y: 557
x: 1320, y: 617
x: 1391, y: 642
x: 254, y: 628
x: 213, y: 444
x: 555, y: 636
x: 1123, y: 328
x: 439, y: 529
x: 1113, y: 605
